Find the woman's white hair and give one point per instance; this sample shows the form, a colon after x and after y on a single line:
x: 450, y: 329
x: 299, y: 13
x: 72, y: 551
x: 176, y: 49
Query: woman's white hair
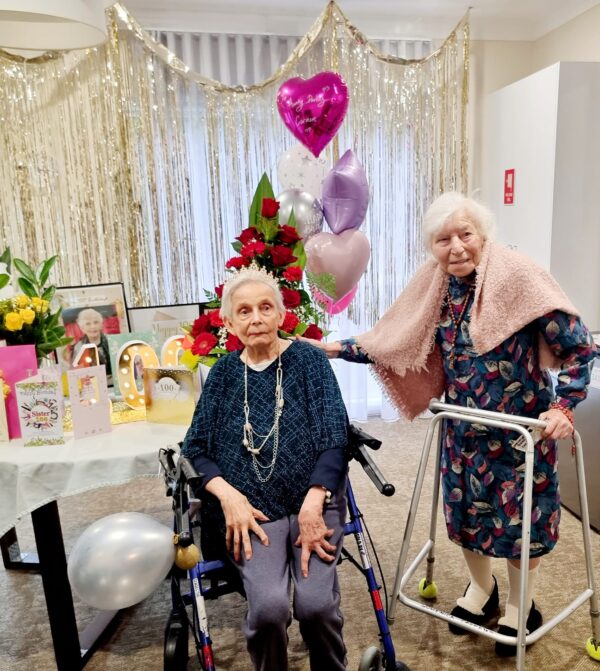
x: 448, y: 204
x: 242, y: 277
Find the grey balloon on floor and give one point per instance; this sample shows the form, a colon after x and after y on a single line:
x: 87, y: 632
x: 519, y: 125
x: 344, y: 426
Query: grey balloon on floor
x: 119, y: 560
x: 308, y: 212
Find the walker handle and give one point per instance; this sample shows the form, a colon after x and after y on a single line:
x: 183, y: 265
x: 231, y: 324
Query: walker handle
x: 371, y: 469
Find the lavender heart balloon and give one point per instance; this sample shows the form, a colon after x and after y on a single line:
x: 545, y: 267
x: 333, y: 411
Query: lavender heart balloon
x: 345, y: 194
x: 313, y: 109
x: 344, y: 256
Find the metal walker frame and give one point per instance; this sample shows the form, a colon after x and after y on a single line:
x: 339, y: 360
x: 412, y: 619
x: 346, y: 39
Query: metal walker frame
x: 443, y: 411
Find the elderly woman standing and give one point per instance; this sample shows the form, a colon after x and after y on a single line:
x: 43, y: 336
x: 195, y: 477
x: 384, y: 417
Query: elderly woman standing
x: 268, y: 436
x: 480, y: 324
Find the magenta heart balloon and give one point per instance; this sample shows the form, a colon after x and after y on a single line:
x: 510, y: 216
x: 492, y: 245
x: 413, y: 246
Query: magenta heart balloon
x: 313, y: 109
x: 334, y: 307
x: 344, y: 256
x: 345, y: 194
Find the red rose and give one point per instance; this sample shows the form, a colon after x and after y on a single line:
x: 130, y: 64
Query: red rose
x: 293, y: 274
x: 203, y: 344
x: 291, y: 298
x: 233, y: 343
x: 282, y: 256
x: 290, y: 322
x: 237, y: 262
x: 201, y: 324
x: 313, y: 331
x: 219, y: 291
x: 250, y: 250
x: 270, y: 207
x: 248, y: 235
x: 215, y: 318
x: 288, y: 235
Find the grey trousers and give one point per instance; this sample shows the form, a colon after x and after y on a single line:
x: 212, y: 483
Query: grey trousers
x: 267, y: 578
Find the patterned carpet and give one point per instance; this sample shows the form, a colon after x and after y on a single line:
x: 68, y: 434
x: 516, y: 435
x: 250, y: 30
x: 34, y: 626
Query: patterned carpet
x: 422, y: 642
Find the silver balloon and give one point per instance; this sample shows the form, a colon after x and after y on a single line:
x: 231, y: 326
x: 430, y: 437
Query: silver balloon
x: 120, y: 560
x: 308, y: 212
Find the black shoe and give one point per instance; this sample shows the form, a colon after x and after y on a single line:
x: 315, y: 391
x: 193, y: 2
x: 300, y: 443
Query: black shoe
x: 490, y: 609
x: 534, y: 621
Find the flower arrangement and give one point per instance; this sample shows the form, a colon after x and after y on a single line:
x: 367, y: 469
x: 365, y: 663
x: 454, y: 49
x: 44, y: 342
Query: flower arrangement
x: 26, y: 318
x: 279, y: 250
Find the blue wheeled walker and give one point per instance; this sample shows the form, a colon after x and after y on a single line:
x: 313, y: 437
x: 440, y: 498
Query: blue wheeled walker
x: 213, y: 577
x: 427, y: 586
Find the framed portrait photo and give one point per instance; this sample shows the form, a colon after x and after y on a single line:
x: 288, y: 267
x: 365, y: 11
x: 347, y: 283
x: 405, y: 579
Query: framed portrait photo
x: 89, y: 314
x: 164, y: 320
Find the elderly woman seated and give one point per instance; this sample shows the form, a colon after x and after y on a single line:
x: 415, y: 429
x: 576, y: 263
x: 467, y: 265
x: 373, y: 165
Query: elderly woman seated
x: 268, y: 437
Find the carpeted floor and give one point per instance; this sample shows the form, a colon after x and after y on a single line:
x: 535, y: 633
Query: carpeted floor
x: 422, y: 642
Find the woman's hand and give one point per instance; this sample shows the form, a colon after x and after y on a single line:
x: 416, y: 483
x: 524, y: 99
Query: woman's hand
x: 240, y: 518
x: 313, y: 530
x: 557, y: 425
x: 331, y: 349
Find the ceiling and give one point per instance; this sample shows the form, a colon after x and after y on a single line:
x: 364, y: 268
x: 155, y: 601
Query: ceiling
x: 490, y: 19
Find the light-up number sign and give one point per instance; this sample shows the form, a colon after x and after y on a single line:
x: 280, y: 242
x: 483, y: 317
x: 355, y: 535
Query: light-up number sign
x: 131, y: 359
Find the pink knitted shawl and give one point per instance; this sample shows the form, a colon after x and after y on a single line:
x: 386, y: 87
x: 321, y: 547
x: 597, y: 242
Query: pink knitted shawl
x: 510, y: 292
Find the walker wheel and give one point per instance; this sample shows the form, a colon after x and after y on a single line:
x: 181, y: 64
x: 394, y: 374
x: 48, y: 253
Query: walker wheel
x: 427, y: 590
x: 176, y: 643
x: 370, y: 660
x: 593, y: 648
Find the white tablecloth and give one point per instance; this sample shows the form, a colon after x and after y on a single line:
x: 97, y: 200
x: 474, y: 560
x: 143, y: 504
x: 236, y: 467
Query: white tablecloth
x: 33, y: 476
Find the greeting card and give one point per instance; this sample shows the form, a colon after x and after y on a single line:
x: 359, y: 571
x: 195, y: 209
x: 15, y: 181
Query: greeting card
x: 170, y: 395
x: 17, y: 363
x: 90, y: 405
x: 40, y: 413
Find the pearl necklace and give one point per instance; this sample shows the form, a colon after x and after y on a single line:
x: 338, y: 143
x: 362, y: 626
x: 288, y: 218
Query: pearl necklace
x: 263, y: 471
x: 456, y: 321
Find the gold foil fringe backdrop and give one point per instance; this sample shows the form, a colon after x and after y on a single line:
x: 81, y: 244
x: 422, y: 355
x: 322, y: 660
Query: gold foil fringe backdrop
x: 133, y: 168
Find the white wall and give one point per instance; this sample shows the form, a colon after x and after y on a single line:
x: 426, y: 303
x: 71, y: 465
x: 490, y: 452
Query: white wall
x: 521, y: 134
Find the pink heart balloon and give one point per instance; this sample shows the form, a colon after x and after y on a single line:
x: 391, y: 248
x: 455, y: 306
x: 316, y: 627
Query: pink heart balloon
x: 344, y: 256
x: 334, y: 307
x: 313, y: 109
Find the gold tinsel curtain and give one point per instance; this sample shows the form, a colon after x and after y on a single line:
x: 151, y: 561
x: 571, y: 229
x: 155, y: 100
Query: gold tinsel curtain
x: 133, y: 168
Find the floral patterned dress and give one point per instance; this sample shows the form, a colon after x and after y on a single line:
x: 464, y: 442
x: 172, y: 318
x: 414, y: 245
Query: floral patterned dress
x: 482, y: 474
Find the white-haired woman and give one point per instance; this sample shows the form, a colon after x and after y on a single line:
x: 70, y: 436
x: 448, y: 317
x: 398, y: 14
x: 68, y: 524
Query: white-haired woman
x: 268, y: 436
x: 91, y: 323
x: 481, y: 324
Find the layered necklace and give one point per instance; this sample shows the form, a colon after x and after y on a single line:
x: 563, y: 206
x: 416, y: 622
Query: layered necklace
x: 456, y: 321
x: 263, y: 471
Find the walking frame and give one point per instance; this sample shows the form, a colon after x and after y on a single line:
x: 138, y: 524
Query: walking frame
x: 427, y: 587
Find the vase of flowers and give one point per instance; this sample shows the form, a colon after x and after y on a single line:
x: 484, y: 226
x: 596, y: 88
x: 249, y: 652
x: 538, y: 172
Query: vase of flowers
x: 279, y: 250
x: 26, y: 317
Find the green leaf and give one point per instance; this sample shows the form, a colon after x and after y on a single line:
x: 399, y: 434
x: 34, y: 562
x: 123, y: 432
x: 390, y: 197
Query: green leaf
x: 269, y: 228
x: 53, y: 320
x: 25, y: 270
x: 49, y: 292
x: 299, y: 330
x: 300, y: 254
x: 237, y: 245
x: 263, y: 190
x: 46, y: 268
x: 6, y: 258
x: 4, y: 280
x: 324, y: 282
x: 26, y: 286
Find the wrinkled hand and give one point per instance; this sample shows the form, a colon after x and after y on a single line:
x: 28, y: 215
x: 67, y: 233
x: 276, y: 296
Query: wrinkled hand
x: 313, y: 532
x: 331, y: 349
x: 557, y: 425
x: 240, y: 518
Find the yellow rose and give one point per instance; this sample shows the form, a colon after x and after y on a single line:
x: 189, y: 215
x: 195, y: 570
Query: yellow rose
x: 21, y: 301
x: 13, y: 321
x: 45, y: 305
x: 36, y: 300
x: 28, y: 315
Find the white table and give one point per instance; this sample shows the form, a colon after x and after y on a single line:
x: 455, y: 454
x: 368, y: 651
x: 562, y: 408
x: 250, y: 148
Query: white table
x: 31, y: 481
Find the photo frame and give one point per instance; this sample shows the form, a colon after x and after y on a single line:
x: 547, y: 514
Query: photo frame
x: 90, y: 313
x: 164, y: 320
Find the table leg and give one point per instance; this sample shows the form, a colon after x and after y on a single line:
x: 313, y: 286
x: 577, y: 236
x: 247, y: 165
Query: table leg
x: 59, y: 598
x: 12, y: 556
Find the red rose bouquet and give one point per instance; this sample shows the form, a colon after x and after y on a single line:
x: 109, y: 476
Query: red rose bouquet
x: 280, y: 251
